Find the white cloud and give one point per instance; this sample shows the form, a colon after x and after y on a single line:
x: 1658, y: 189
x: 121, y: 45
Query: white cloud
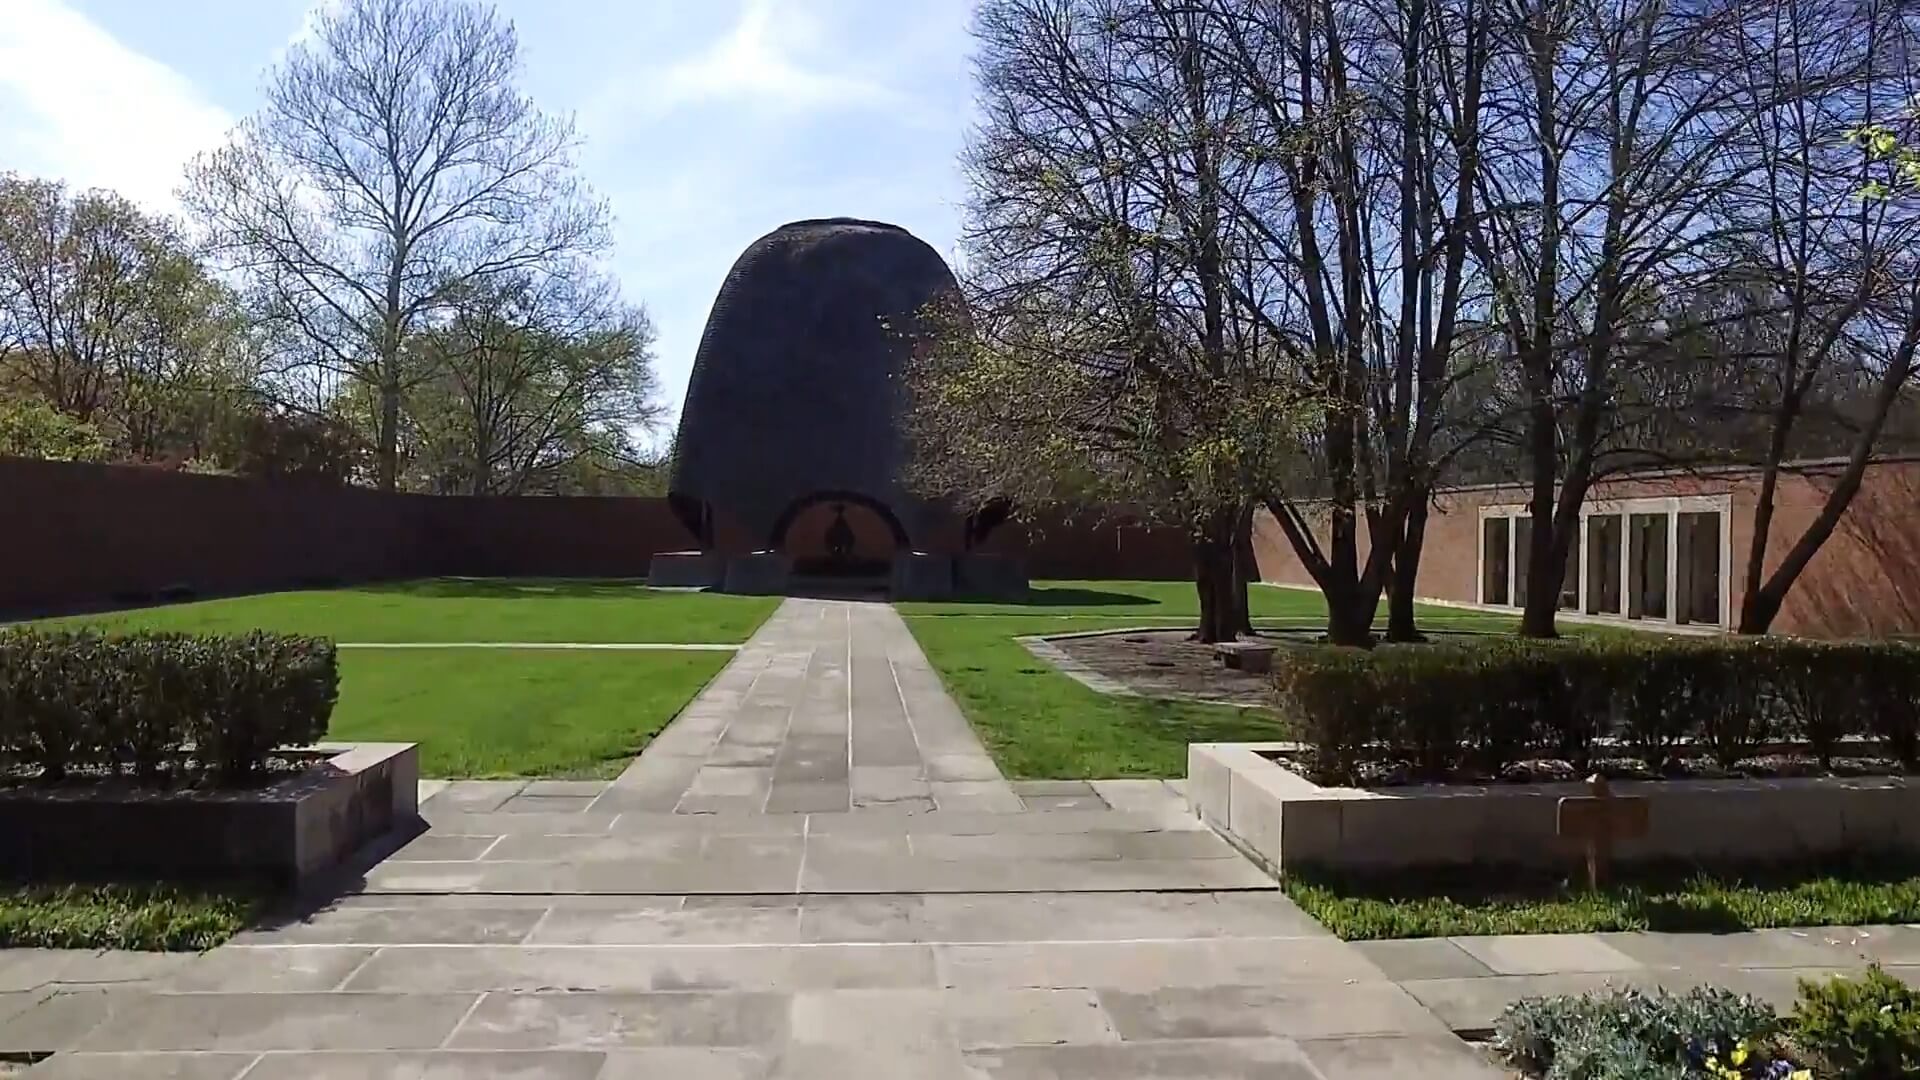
x: 752, y: 63
x: 76, y: 104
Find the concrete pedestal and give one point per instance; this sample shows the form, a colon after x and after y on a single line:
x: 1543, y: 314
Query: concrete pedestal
x: 685, y: 570
x: 763, y: 573
x: 919, y: 576
x: 993, y: 577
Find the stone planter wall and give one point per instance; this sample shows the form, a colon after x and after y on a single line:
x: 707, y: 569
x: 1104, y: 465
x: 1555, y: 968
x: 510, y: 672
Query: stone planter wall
x: 287, y: 832
x: 1284, y: 820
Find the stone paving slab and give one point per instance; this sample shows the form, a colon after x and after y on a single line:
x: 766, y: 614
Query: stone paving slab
x: 331, y: 1021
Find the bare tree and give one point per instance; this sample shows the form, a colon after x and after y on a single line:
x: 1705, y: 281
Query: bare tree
x: 1103, y: 361
x: 1830, y: 280
x: 1615, y: 123
x: 395, y: 164
x: 1363, y: 140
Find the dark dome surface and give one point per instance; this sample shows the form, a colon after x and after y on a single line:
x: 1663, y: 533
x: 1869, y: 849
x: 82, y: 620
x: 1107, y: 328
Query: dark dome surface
x: 795, y: 389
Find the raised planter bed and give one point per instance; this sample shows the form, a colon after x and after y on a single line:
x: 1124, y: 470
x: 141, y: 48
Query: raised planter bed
x: 1284, y: 820
x: 286, y: 831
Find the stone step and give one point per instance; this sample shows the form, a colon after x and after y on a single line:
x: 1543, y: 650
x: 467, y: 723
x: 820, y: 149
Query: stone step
x: 868, y: 822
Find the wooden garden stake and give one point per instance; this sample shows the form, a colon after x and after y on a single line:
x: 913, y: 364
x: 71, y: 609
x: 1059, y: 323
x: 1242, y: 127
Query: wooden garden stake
x: 1597, y: 819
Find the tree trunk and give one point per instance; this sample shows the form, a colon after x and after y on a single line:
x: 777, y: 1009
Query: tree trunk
x: 1217, y: 580
x: 1246, y: 570
x: 1401, y: 625
x: 1538, y: 619
x: 389, y: 448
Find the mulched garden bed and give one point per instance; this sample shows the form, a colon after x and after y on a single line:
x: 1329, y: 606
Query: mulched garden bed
x: 1168, y: 664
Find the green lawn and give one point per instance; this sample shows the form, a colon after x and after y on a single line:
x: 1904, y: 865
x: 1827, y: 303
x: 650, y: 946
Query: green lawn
x: 1041, y: 724
x: 523, y: 712
x: 465, y: 609
x: 494, y: 712
x: 154, y: 918
x: 1478, y: 900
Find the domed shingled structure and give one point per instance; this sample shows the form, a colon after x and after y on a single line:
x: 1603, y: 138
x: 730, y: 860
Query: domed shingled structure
x: 795, y: 395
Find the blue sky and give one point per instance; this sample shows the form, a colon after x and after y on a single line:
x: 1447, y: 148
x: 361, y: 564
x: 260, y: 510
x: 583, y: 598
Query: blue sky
x: 707, y: 122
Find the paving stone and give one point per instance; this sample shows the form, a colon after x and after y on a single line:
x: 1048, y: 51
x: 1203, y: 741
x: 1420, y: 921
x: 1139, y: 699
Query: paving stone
x: 909, y: 874
x: 1760, y: 949
x: 120, y: 968
x: 738, y: 781
x: 962, y: 767
x: 476, y: 796
x: 27, y: 969
x: 269, y: 969
x: 1422, y: 958
x: 603, y: 1021
x: 547, y: 804
x: 1091, y: 845
x: 574, y: 788
x: 1112, y: 916
x: 1203, y: 1059
x: 1546, y: 954
x: 429, y: 847
x: 425, y: 790
x: 808, y: 796
x: 436, y: 925
x: 1024, y: 788
x: 1150, y: 965
x: 716, y: 926
x: 908, y: 1019
x: 684, y: 1063
x: 1045, y: 803
x: 646, y: 968
x: 803, y: 1061
x: 960, y: 823
x: 1469, y: 1004
x: 536, y: 848
x: 756, y: 825
x: 977, y: 796
x: 189, y: 1066
x: 1295, y: 1010
x: 1429, y: 1057
x: 281, y: 1022
x: 826, y: 919
x: 437, y: 1065
x: 512, y: 823
x: 62, y: 1019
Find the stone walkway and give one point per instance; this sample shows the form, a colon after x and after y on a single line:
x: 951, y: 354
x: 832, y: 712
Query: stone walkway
x: 816, y: 871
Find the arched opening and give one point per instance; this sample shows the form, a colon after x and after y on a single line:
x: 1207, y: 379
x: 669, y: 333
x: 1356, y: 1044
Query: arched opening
x: 839, y: 534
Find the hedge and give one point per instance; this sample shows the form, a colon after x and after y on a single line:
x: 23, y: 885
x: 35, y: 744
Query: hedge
x: 1482, y: 706
x: 143, y: 704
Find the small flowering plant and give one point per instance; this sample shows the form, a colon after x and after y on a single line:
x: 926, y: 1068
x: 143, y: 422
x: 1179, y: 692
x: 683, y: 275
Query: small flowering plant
x: 1743, y: 1061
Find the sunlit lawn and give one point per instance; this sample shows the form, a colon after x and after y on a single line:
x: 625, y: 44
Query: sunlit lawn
x: 465, y: 609
x: 1039, y: 723
x: 493, y: 712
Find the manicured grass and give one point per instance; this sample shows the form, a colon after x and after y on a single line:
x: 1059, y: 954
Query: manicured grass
x: 521, y: 712
x: 1041, y: 724
x: 466, y: 609
x: 1495, y: 901
x: 154, y: 918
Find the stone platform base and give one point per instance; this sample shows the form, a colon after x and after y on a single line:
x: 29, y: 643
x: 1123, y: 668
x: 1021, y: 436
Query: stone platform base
x: 991, y: 577
x: 686, y: 570
x: 1284, y: 820
x: 286, y: 832
x: 919, y: 576
x: 763, y: 573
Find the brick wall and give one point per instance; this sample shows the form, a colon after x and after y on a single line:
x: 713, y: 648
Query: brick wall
x: 1864, y: 581
x: 75, y: 536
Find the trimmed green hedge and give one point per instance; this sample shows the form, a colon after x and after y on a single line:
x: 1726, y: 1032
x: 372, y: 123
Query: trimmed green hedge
x: 1484, y: 705
x: 134, y: 705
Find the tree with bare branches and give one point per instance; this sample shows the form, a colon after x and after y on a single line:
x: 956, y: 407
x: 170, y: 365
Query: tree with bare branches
x: 394, y: 165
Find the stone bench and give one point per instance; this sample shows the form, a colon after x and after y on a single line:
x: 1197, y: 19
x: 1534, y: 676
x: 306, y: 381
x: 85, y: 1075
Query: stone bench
x: 1255, y: 657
